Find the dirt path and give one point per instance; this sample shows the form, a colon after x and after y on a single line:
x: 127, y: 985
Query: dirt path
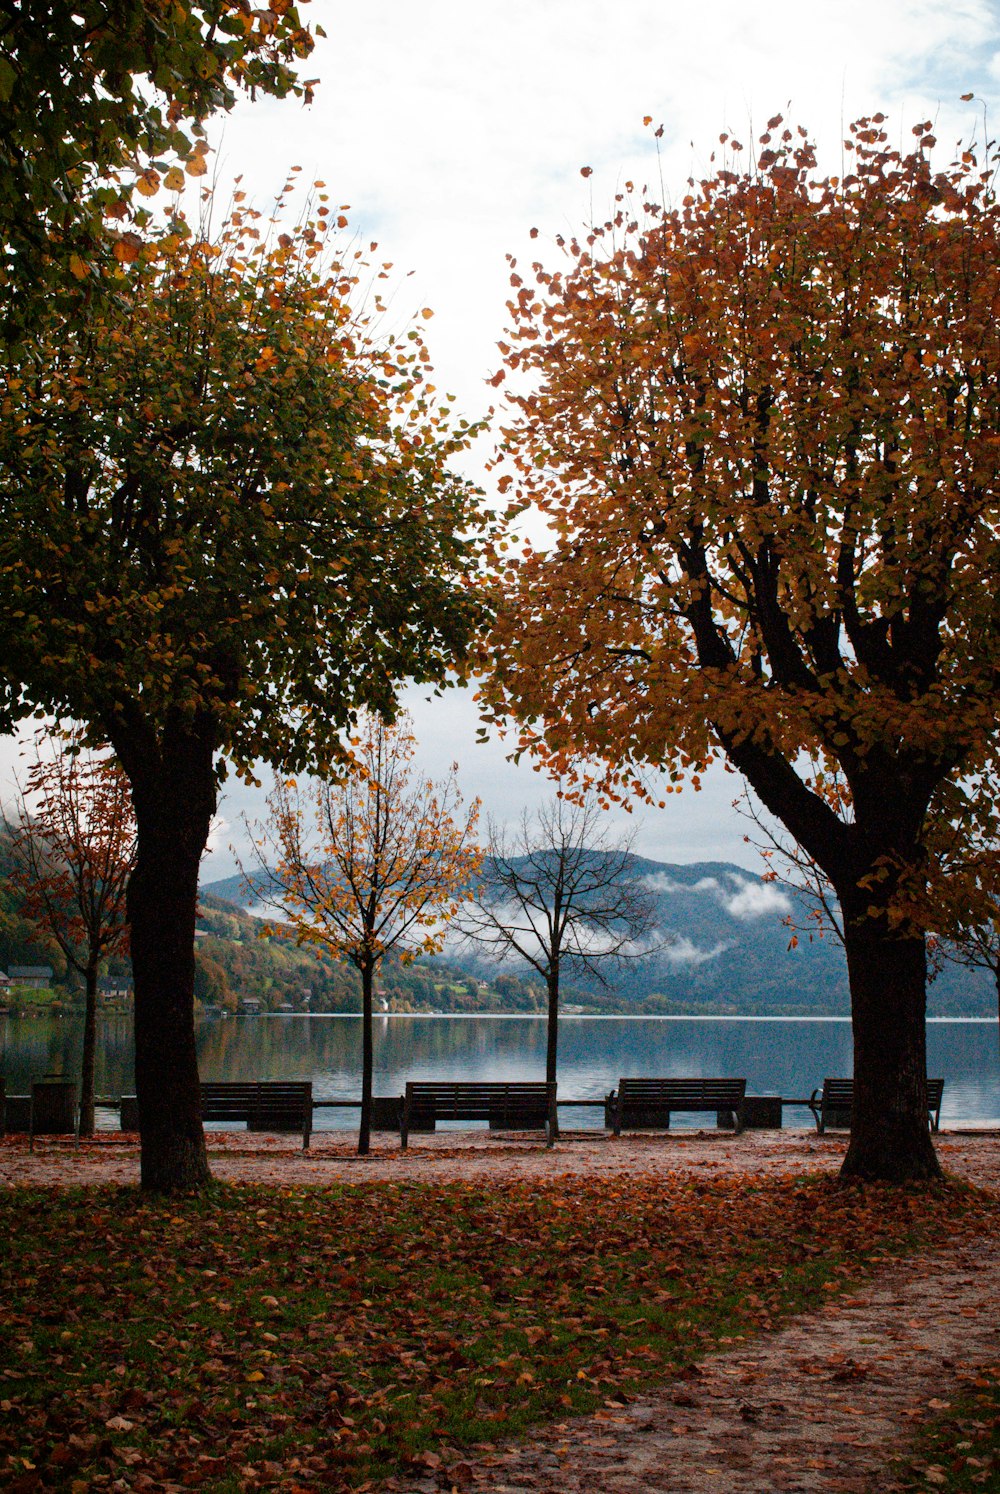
x: 820, y: 1406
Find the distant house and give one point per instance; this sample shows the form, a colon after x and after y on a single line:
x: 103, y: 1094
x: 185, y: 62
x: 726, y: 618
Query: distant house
x: 30, y: 977
x: 249, y: 1006
x: 114, y: 987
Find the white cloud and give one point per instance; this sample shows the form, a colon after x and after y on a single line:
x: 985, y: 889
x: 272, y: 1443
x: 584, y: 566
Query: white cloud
x: 741, y: 899
x: 756, y: 900
x: 661, y: 882
x: 685, y: 952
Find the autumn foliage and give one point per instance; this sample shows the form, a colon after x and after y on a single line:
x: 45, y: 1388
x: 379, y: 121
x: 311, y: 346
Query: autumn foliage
x: 227, y: 523
x: 92, y: 98
x: 762, y: 428
x: 369, y: 862
x: 73, y: 845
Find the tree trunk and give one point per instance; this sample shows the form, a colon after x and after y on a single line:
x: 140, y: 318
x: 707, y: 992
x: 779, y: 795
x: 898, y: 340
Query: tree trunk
x: 88, y: 1060
x: 552, y: 1034
x: 552, y: 1031
x: 367, y: 1059
x: 174, y: 795
x: 890, y: 1129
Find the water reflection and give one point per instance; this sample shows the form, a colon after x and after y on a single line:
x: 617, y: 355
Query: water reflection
x: 784, y: 1057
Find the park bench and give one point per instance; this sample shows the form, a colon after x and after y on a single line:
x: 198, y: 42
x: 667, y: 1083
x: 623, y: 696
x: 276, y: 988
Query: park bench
x: 525, y: 1105
x: 265, y: 1105
x: 832, y: 1105
x: 641, y: 1104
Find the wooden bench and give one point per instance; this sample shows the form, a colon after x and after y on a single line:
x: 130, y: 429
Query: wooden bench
x: 265, y: 1105
x: 641, y: 1104
x: 526, y: 1105
x: 832, y: 1105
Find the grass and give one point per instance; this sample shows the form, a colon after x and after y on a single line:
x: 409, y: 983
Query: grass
x: 958, y: 1451
x: 264, y: 1338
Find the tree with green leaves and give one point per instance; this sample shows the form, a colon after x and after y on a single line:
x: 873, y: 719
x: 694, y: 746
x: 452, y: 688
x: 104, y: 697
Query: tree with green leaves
x: 103, y: 98
x: 227, y: 523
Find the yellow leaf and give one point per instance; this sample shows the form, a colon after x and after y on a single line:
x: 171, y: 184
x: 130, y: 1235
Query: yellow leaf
x: 78, y: 267
x: 254, y: 1377
x: 126, y: 250
x: 174, y: 179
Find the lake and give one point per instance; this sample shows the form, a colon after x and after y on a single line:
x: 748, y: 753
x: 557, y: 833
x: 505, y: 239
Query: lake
x: 783, y: 1056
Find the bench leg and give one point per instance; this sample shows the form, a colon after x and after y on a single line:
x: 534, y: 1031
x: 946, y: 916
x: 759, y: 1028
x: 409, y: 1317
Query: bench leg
x: 552, y: 1128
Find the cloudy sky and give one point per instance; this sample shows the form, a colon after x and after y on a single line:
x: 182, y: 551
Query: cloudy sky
x: 452, y: 130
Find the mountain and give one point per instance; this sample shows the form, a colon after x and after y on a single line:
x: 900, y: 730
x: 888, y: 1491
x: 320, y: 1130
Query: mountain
x: 726, y: 950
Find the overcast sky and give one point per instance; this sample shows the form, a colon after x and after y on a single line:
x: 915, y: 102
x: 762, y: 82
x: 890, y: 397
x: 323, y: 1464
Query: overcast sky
x: 453, y: 129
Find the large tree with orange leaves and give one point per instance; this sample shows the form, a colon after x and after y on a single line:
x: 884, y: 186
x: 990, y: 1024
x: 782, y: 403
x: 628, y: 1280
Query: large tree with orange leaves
x: 369, y: 863
x: 764, y: 429
x: 227, y: 523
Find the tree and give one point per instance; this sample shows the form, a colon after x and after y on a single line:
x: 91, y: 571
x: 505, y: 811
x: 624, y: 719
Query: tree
x: 559, y: 894
x: 73, y: 852
x: 763, y: 427
x: 370, y: 863
x: 226, y: 524
x: 94, y: 93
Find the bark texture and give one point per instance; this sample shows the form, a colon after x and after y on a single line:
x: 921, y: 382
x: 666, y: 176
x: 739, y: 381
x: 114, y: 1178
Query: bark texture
x: 174, y: 794
x: 890, y: 1128
x: 367, y: 1058
x: 88, y: 1059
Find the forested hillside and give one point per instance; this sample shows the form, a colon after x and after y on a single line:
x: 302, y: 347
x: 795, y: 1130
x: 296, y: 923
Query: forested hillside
x: 725, y: 948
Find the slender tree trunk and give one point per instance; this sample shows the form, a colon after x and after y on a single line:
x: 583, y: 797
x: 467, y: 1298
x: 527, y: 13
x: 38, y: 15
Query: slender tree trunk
x: 890, y: 1130
x: 367, y: 1059
x: 552, y: 1030
x: 88, y: 1061
x: 174, y: 803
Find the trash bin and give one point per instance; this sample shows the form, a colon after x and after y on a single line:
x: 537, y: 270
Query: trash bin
x: 53, y: 1106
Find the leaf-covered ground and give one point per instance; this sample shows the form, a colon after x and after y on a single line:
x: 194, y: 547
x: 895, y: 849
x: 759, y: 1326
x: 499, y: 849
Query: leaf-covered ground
x: 332, y: 1338
x: 959, y: 1450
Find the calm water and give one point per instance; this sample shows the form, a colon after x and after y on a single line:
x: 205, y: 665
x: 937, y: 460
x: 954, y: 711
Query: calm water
x: 787, y: 1057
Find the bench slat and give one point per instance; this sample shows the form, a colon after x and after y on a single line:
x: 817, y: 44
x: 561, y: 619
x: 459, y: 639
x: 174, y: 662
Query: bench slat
x: 641, y: 1103
x: 265, y: 1104
x: 833, y: 1105
x: 514, y: 1104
